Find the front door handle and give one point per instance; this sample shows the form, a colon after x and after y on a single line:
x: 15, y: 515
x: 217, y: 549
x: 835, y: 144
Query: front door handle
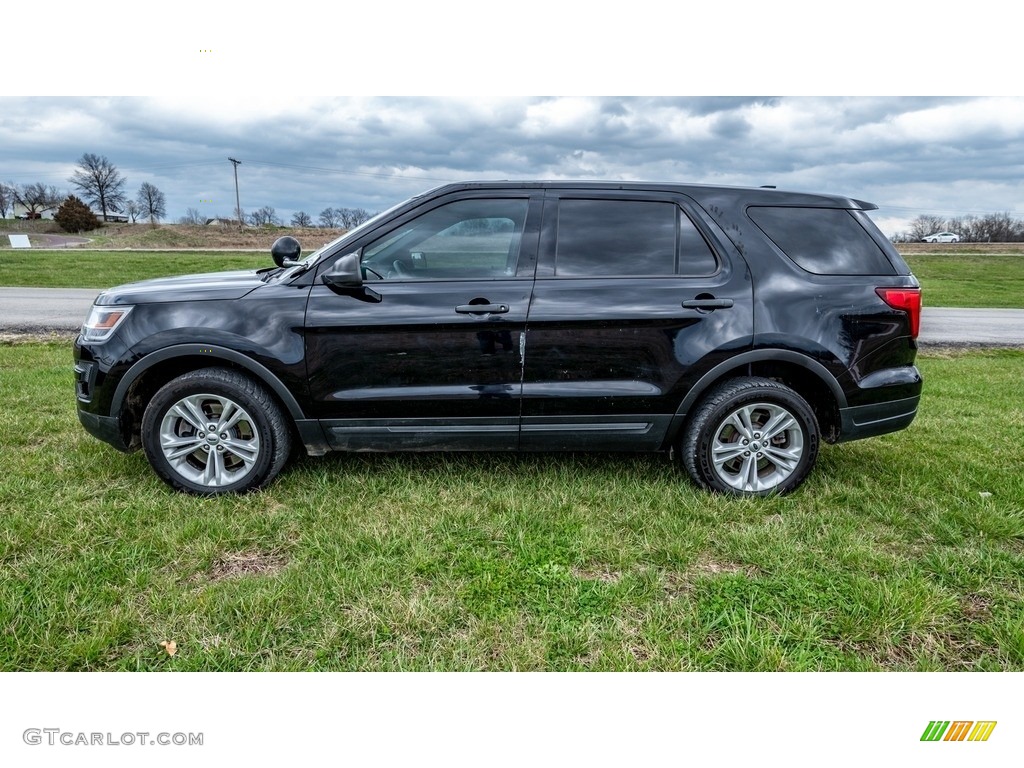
x: 481, y: 309
x: 707, y: 304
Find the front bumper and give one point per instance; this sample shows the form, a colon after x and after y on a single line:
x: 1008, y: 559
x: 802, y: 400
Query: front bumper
x: 106, y: 428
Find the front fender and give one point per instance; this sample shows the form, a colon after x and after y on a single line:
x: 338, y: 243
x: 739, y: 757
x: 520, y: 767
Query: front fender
x: 215, y: 354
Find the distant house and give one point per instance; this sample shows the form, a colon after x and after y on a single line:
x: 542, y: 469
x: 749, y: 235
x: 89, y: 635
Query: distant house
x: 21, y: 212
x: 221, y: 222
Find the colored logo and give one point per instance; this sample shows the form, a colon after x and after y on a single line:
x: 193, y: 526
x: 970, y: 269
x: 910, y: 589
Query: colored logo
x: 958, y: 730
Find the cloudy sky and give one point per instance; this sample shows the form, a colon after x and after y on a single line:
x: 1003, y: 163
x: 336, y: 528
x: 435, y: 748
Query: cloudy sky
x: 936, y: 155
x: 258, y: 92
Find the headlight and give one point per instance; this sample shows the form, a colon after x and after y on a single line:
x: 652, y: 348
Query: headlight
x: 102, y: 322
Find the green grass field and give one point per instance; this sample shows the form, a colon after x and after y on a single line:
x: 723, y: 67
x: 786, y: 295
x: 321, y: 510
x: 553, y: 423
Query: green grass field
x: 949, y: 279
x: 970, y: 280
x: 902, y: 552
x: 103, y: 269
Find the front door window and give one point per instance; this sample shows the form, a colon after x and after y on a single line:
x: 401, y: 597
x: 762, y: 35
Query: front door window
x: 464, y: 240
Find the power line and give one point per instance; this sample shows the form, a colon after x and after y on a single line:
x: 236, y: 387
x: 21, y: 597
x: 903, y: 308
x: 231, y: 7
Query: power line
x: 349, y: 173
x: 951, y: 211
x: 174, y: 165
x: 50, y: 174
x: 167, y: 166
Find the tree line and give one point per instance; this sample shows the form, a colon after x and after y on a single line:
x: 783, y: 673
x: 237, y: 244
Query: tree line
x: 102, y: 186
x: 990, y: 228
x: 329, y: 218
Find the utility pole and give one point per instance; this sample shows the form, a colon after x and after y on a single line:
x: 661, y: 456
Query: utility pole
x: 238, y: 205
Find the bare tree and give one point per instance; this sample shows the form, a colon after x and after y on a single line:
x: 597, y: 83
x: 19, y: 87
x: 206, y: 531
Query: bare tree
x: 329, y: 218
x: 6, y: 199
x: 992, y: 227
x: 998, y: 228
x: 926, y: 224
x: 37, y: 198
x: 302, y: 219
x: 265, y: 216
x: 352, y: 217
x: 132, y: 210
x: 192, y: 216
x: 152, y: 202
x: 959, y: 225
x: 100, y: 183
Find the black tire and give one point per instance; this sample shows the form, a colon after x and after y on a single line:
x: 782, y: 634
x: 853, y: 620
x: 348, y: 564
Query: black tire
x: 247, y: 449
x: 713, y: 451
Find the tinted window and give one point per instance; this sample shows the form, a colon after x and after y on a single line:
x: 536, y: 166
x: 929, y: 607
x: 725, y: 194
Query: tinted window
x: 696, y: 259
x: 825, y: 241
x: 464, y: 239
x: 615, y: 237
x: 629, y: 237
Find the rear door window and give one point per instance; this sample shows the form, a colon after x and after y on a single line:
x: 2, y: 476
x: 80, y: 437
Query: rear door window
x: 603, y: 238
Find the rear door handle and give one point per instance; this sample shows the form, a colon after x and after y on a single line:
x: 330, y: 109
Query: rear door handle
x: 481, y: 309
x: 707, y: 303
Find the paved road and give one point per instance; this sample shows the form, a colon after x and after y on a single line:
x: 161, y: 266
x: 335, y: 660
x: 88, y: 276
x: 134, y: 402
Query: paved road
x: 41, y: 310
x: 973, y: 327
x: 33, y: 310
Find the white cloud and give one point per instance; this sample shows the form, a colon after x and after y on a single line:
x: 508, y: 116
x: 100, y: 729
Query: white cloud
x: 916, y: 154
x: 559, y: 116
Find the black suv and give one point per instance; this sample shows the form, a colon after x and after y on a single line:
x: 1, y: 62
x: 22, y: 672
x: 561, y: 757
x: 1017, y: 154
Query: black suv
x: 733, y: 327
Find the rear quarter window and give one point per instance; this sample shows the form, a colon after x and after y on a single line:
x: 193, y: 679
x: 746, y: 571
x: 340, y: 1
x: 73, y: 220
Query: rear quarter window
x: 824, y: 241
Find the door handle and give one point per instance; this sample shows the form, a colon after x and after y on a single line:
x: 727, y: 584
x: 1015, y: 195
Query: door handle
x: 707, y: 304
x: 481, y: 309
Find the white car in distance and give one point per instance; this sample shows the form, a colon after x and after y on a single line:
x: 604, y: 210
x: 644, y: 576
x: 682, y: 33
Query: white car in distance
x: 942, y: 237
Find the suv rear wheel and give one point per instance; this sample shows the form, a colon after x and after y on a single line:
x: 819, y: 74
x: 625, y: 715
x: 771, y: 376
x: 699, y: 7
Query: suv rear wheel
x: 752, y: 437
x: 215, y: 431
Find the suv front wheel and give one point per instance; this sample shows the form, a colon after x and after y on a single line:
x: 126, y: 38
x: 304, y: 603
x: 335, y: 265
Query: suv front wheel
x: 215, y: 431
x: 750, y: 436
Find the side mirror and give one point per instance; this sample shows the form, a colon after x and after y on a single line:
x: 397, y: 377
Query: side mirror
x: 286, y: 251
x: 346, y: 272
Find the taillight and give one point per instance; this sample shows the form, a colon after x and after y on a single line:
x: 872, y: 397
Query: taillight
x: 906, y: 299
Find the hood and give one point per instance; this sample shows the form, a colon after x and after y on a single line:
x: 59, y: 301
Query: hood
x: 213, y: 286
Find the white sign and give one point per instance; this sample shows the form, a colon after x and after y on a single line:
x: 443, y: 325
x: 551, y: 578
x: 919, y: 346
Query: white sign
x: 19, y: 241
